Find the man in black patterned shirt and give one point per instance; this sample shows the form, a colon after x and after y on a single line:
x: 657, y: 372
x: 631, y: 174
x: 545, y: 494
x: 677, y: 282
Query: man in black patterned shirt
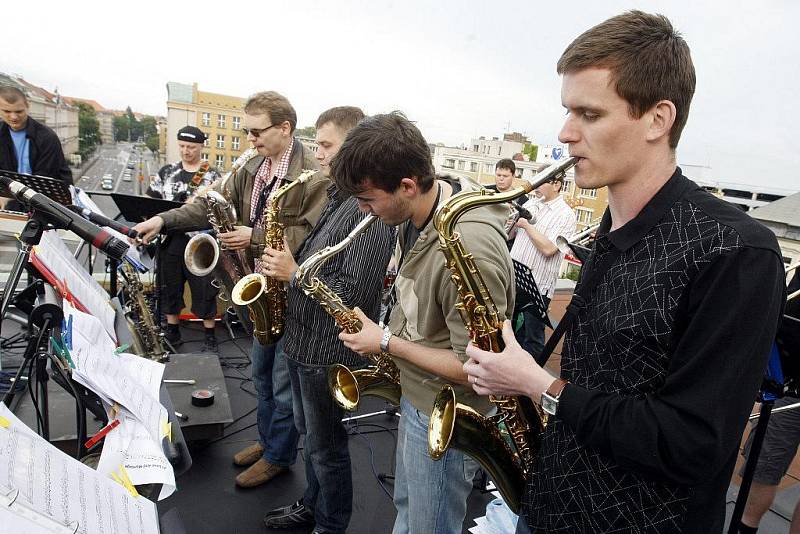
x: 662, y: 362
x: 311, y: 340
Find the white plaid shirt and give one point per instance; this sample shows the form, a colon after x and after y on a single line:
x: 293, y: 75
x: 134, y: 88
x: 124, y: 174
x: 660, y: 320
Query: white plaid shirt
x: 552, y: 219
x: 264, y: 171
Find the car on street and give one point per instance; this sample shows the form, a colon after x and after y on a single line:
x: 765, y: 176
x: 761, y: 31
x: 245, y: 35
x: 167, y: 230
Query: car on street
x: 107, y: 183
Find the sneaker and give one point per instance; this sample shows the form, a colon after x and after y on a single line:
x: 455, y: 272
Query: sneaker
x: 210, y: 344
x: 259, y: 473
x: 294, y: 515
x: 249, y: 456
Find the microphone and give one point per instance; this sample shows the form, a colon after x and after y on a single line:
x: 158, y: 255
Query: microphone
x: 102, y: 220
x: 61, y: 217
x: 523, y: 212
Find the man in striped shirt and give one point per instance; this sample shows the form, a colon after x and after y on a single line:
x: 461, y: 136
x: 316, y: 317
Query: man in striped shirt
x: 534, y: 247
x: 310, y: 339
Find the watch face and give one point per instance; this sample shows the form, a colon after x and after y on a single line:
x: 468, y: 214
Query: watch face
x: 549, y: 404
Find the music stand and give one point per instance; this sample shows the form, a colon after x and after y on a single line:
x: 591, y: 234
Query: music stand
x: 526, y: 286
x: 49, y: 187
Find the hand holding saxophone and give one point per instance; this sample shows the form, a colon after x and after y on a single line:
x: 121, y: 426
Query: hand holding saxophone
x: 237, y: 239
x: 279, y: 264
x: 367, y: 340
x: 510, y: 372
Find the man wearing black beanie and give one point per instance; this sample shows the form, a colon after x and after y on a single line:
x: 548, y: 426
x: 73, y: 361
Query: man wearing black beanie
x: 178, y: 182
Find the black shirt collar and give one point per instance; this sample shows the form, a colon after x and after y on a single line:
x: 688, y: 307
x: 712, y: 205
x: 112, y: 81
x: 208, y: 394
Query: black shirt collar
x: 635, y: 229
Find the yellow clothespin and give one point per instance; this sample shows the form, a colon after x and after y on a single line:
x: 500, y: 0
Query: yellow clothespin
x: 5, y: 423
x: 124, y: 480
x: 166, y: 430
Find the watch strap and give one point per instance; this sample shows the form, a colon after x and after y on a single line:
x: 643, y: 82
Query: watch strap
x: 556, y: 388
x: 387, y: 335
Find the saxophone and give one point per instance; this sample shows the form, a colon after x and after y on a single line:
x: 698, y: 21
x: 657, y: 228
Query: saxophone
x: 264, y: 296
x: 503, y: 444
x: 147, y: 335
x: 204, y: 254
x: 381, y: 379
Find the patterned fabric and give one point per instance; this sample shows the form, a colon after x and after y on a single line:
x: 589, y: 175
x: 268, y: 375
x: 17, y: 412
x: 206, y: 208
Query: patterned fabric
x: 174, y: 183
x: 262, y: 176
x: 552, y: 219
x: 355, y: 274
x: 623, y: 343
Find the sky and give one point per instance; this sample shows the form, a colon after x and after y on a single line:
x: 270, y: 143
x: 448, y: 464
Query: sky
x: 460, y: 69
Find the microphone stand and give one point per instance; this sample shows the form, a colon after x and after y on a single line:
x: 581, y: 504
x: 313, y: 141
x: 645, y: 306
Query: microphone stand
x: 31, y: 236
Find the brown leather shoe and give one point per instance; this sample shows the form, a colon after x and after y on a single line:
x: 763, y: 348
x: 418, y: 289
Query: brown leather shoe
x: 249, y: 456
x: 260, y: 472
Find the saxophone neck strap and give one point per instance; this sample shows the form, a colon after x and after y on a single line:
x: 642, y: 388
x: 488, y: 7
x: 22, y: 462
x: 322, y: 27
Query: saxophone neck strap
x: 579, y: 299
x: 197, y: 179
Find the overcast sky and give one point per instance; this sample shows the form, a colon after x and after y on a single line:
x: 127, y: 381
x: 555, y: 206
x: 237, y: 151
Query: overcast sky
x: 461, y: 69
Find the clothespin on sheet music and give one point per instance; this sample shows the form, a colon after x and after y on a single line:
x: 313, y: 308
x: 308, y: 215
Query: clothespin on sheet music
x: 66, y: 332
x: 4, y: 423
x: 62, y: 351
x: 125, y: 481
x: 166, y: 430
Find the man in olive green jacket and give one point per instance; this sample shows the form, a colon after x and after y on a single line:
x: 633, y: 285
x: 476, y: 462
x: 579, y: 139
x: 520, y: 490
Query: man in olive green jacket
x: 269, y: 121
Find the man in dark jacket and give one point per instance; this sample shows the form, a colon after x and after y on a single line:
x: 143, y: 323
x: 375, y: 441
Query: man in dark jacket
x: 26, y: 145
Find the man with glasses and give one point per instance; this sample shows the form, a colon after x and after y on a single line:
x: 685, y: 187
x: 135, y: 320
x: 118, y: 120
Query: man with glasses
x: 269, y: 121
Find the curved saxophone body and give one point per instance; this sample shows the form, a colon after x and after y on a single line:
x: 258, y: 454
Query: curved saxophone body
x: 265, y: 297
x: 382, y: 379
x: 504, y: 444
x: 147, y: 336
x: 204, y: 254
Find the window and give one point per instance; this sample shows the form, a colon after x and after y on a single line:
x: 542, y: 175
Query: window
x: 206, y: 119
x: 473, y: 167
x: 588, y: 193
x: 488, y: 168
x: 235, y: 142
x: 449, y: 164
x: 220, y: 161
x: 206, y: 141
x: 237, y: 123
x: 220, y: 141
x: 204, y: 156
x: 460, y: 165
x: 568, y: 185
x: 584, y: 215
x: 220, y: 121
x: 233, y: 159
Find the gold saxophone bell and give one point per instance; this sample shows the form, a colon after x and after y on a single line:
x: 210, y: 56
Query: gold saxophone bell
x: 250, y: 291
x: 347, y: 386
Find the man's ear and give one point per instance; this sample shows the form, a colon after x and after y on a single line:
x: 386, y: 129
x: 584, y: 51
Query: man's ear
x: 409, y: 185
x: 662, y: 117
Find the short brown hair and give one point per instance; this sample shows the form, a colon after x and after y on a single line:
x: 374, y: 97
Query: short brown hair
x: 507, y: 164
x: 12, y: 94
x: 343, y: 117
x: 273, y: 104
x: 648, y: 59
x: 380, y: 151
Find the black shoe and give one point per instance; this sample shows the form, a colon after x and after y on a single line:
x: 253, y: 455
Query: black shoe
x: 173, y: 336
x: 294, y: 515
x: 210, y: 345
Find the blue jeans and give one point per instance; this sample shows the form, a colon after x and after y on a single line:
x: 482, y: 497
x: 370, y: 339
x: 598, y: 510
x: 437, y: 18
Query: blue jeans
x: 276, y: 429
x: 430, y: 495
x: 531, y: 334
x: 329, y: 481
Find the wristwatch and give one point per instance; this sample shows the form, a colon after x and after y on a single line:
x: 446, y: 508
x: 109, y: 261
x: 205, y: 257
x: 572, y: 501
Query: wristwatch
x: 387, y: 335
x: 550, y: 397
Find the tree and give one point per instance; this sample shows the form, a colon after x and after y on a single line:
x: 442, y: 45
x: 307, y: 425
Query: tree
x: 88, y: 129
x: 121, y: 128
x: 152, y: 143
x: 148, y: 127
x: 308, y: 131
x: 531, y: 151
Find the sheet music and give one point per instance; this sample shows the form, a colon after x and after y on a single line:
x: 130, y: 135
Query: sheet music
x: 131, y: 445
x: 60, y: 487
x: 133, y: 383
x: 57, y: 258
